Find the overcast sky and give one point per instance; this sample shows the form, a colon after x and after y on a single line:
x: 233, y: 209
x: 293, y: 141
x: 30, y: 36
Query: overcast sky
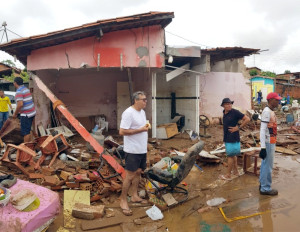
x: 272, y: 25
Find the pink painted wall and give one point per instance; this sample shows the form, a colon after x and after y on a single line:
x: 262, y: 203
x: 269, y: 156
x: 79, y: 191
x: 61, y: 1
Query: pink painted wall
x: 215, y: 86
x: 140, y: 47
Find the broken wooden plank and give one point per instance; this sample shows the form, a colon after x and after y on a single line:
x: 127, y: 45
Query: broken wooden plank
x: 285, y: 151
x: 243, y: 150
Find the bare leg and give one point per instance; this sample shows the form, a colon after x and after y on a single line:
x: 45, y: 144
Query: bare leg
x: 230, y: 166
x: 135, y: 183
x: 125, y: 187
x: 27, y: 138
x: 235, y: 169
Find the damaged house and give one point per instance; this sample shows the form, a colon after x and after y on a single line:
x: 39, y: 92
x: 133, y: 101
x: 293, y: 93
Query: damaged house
x: 94, y: 68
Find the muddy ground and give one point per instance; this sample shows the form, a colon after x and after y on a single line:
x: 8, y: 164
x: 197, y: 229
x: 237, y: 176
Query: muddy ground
x: 279, y: 213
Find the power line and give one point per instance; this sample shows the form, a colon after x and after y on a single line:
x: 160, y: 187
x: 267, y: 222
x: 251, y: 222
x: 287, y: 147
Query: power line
x: 203, y: 45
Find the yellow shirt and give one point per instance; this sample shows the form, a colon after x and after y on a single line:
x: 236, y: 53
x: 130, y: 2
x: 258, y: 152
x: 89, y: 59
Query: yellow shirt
x: 4, y: 102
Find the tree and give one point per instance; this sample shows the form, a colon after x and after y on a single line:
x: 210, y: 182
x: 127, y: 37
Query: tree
x: 287, y: 71
x: 9, y: 63
x: 268, y: 74
x: 253, y: 72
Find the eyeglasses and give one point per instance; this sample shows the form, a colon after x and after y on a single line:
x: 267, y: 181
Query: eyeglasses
x: 143, y: 99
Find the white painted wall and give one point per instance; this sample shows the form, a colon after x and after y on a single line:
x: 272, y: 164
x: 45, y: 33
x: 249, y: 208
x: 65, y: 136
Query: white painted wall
x: 184, y: 86
x: 215, y: 86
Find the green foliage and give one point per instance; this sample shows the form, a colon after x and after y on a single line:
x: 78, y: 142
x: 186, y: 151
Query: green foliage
x: 268, y: 74
x: 9, y: 63
x: 253, y: 72
x: 287, y: 71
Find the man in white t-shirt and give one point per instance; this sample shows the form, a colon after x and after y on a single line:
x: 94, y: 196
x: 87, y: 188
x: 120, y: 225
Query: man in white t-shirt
x: 134, y: 128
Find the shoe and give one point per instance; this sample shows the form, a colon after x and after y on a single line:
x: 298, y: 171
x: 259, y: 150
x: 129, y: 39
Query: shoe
x: 272, y: 192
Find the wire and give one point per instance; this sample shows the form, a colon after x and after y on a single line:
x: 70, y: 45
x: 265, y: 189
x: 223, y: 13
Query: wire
x: 188, y: 40
x: 14, y: 33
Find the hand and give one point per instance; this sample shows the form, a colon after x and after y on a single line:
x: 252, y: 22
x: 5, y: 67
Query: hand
x: 263, y: 153
x: 233, y: 129
x: 144, y: 128
x: 12, y: 112
x: 14, y: 116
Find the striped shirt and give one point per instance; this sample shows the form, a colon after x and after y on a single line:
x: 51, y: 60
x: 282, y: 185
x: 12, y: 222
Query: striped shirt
x: 23, y: 94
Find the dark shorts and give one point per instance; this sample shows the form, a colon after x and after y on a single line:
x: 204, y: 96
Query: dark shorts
x: 26, y: 124
x: 135, y: 161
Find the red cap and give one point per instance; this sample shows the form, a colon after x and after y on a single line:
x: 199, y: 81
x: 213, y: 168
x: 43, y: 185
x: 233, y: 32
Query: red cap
x: 273, y: 96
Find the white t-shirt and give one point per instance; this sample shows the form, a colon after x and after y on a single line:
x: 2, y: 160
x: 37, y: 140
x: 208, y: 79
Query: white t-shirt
x: 133, y: 119
x: 268, y: 127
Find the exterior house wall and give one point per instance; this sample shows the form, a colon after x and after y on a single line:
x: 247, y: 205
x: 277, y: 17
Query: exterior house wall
x: 293, y: 91
x: 138, y: 47
x: 266, y: 85
x: 215, y: 86
x: 232, y: 65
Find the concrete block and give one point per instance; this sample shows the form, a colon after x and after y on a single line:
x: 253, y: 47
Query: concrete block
x: 87, y: 212
x: 64, y: 175
x: 51, y: 180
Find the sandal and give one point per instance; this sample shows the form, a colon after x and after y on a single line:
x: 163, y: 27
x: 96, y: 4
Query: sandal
x: 223, y: 177
x: 127, y: 212
x: 141, y: 201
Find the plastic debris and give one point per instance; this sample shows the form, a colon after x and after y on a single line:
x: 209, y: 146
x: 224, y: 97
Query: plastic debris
x: 215, y: 201
x: 154, y: 213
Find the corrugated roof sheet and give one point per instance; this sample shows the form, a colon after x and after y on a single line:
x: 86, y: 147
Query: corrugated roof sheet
x: 225, y: 53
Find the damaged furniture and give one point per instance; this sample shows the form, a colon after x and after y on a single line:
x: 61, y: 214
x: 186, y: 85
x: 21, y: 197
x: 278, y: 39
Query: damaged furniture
x: 171, y: 181
x: 51, y: 145
x: 24, y: 155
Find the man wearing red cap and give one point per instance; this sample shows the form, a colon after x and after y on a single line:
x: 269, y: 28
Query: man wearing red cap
x: 268, y: 132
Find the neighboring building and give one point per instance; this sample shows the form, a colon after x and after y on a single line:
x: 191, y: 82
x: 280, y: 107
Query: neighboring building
x: 264, y: 84
x: 288, y: 83
x: 91, y: 67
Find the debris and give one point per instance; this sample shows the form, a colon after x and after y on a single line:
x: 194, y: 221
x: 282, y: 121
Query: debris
x: 285, y: 151
x: 154, y: 213
x: 23, y: 199
x: 204, y: 209
x: 64, y: 175
x: 60, y: 130
x: 215, y: 201
x: 240, y: 217
x: 71, y: 197
x: 205, y: 154
x: 51, y: 180
x: 72, y: 158
x: 169, y: 199
x: 87, y: 212
x: 75, y: 123
x: 166, y: 131
x: 242, y: 151
x: 75, y: 151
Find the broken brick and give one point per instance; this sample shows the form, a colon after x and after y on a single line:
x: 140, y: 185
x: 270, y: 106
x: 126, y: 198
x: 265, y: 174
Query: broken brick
x: 51, y: 180
x: 64, y: 175
x: 88, y: 212
x: 48, y: 171
x: 86, y: 186
x: 72, y: 184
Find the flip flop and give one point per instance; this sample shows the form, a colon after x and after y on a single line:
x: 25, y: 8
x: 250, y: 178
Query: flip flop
x: 223, y: 177
x: 239, y: 174
x: 141, y: 201
x: 127, y: 212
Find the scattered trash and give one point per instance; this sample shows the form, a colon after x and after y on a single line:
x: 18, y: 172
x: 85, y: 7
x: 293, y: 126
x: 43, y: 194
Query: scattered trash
x: 215, y: 201
x: 154, y: 213
x: 23, y: 199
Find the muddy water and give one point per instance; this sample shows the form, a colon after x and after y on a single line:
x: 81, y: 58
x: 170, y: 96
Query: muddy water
x: 280, y: 213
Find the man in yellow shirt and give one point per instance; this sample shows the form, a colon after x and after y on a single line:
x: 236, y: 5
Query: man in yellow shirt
x: 4, y: 103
